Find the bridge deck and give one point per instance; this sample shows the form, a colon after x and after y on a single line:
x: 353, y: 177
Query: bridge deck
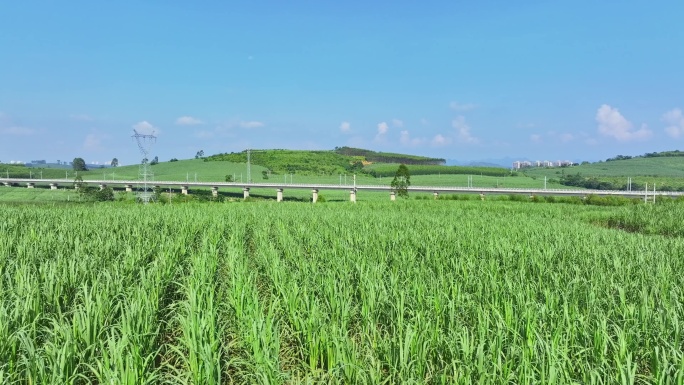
x: 315, y: 186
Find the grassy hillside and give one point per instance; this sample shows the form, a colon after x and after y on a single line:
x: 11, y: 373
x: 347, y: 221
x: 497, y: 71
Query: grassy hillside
x: 20, y: 171
x: 294, y: 161
x: 652, y: 167
x: 667, y: 173
x: 339, y: 161
x: 192, y: 169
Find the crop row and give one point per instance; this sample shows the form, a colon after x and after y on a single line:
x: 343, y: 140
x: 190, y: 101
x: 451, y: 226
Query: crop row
x: 413, y: 292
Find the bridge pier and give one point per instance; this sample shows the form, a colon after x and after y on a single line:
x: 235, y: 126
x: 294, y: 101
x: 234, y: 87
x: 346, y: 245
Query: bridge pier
x: 352, y: 195
x: 279, y: 195
x: 214, y: 191
x: 393, y: 196
x: 7, y: 184
x: 53, y: 186
x: 30, y: 185
x: 245, y: 192
x: 184, y: 190
x: 129, y: 188
x: 103, y: 186
x: 314, y: 197
x: 436, y: 195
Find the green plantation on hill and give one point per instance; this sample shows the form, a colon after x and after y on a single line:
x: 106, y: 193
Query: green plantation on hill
x: 339, y: 161
x: 387, y: 169
x: 294, y: 161
x: 666, y: 172
x: 655, y: 166
x: 388, y: 157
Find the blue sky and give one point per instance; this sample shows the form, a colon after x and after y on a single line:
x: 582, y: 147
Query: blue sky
x: 461, y: 80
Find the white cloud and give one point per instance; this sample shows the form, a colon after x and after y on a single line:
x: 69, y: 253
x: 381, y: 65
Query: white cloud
x: 406, y: 139
x: 382, y: 128
x: 251, y: 124
x: 424, y: 122
x: 382, y: 131
x: 18, y: 131
x: 463, y: 131
x: 145, y: 128
x: 567, y: 138
x: 611, y: 123
x: 456, y: 106
x: 536, y: 138
x: 345, y: 127
x: 440, y: 140
x: 397, y: 123
x: 188, y: 121
x: 675, y: 121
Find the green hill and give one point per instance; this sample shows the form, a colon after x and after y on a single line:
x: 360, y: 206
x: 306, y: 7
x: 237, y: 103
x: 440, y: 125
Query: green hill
x: 667, y: 172
x: 294, y: 161
x: 338, y: 161
x: 655, y: 166
x: 191, y: 169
